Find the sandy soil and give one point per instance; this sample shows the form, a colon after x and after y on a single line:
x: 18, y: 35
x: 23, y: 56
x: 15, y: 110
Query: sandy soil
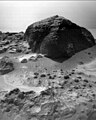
x: 16, y: 78
x: 83, y: 63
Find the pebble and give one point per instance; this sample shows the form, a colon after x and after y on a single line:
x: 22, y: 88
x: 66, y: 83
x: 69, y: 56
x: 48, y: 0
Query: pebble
x: 42, y: 75
x: 24, y: 61
x: 66, y: 77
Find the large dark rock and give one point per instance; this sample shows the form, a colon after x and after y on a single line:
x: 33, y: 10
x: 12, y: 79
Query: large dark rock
x: 58, y: 37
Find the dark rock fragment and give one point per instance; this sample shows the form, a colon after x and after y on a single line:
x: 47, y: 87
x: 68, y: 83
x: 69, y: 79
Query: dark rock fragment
x: 24, y: 61
x: 66, y: 77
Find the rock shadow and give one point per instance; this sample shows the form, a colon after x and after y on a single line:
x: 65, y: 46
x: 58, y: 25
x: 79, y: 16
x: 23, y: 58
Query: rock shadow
x: 59, y: 60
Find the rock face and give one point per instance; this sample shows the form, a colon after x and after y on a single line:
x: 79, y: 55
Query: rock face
x: 58, y: 37
x: 6, y: 65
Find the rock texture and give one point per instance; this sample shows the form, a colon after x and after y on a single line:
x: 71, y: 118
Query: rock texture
x: 42, y: 107
x: 68, y: 96
x: 6, y: 65
x: 67, y: 99
x: 13, y: 43
x: 58, y: 37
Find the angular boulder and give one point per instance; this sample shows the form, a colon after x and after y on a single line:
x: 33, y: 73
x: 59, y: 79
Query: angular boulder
x: 58, y: 37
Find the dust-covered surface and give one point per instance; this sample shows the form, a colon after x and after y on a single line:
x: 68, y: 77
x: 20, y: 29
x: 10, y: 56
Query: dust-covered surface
x: 45, y: 89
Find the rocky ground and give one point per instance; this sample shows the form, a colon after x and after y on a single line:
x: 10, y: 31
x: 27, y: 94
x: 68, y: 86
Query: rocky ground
x: 13, y: 43
x: 34, y: 87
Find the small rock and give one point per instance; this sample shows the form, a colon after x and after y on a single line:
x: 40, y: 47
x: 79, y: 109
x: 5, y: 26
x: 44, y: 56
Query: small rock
x: 66, y: 77
x: 27, y: 51
x: 12, y: 51
x: 85, y: 80
x: 21, y: 95
x: 19, y: 50
x: 35, y: 109
x: 81, y: 63
x: 51, y: 77
x: 35, y: 76
x: 33, y: 58
x: 2, y: 50
x: 68, y: 112
x: 89, y: 53
x: 14, y: 91
x: 76, y: 80
x: 90, y: 86
x: 24, y: 61
x: 42, y: 75
x: 7, y: 109
x: 36, y: 73
x: 6, y: 65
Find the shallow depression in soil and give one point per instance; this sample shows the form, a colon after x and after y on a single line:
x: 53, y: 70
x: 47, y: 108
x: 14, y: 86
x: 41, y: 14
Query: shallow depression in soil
x: 89, y: 68
x: 18, y: 80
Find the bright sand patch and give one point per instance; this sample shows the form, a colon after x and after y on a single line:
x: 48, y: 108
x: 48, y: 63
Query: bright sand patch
x: 88, y: 68
x: 17, y: 82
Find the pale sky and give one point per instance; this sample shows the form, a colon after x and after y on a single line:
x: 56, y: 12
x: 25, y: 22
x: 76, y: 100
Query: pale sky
x: 17, y: 15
